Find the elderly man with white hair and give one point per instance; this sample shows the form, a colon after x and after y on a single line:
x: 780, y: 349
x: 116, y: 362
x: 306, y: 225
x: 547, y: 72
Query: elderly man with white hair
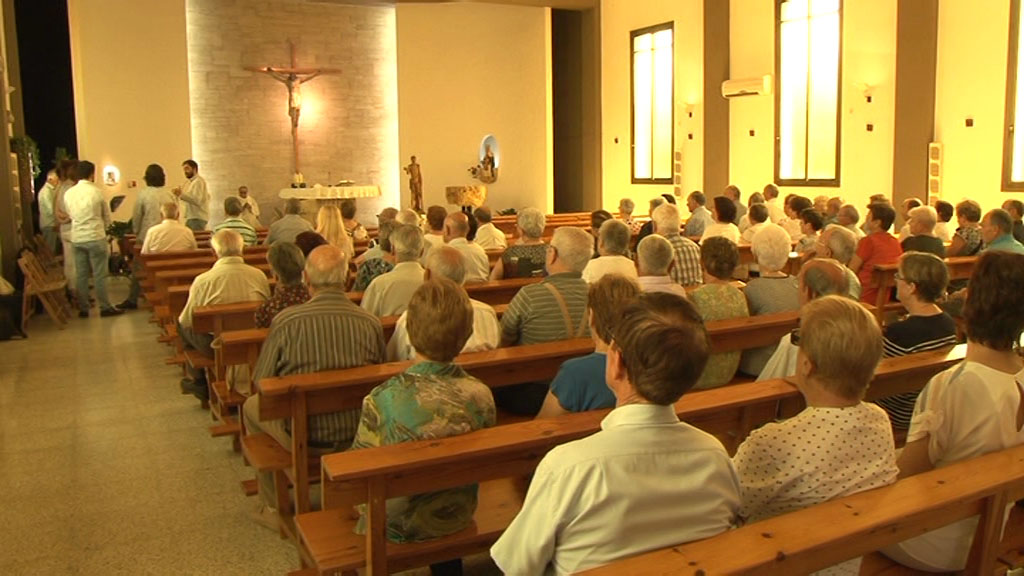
x: 687, y: 270
x: 840, y: 244
x: 328, y: 332
x: 447, y: 262
x: 920, y: 236
x: 389, y: 294
x: 772, y: 292
x: 230, y: 280
x: 612, y: 245
x: 286, y: 228
x: 654, y: 259
x: 456, y: 229
x: 848, y: 217
x: 553, y: 309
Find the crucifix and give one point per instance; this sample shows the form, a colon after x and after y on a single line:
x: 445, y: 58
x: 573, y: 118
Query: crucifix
x: 293, y: 78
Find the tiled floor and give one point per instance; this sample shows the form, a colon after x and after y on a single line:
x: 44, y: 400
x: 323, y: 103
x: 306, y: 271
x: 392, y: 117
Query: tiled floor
x: 106, y: 469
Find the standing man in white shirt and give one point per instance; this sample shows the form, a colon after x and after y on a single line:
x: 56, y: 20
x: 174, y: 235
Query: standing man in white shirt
x: 169, y: 235
x: 646, y: 480
x: 195, y: 196
x: 488, y: 236
x: 456, y: 228
x: 90, y: 217
x: 47, y: 222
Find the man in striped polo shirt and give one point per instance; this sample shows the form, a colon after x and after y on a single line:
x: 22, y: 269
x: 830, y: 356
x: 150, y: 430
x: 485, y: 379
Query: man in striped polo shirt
x: 233, y: 210
x: 554, y: 309
x: 327, y: 333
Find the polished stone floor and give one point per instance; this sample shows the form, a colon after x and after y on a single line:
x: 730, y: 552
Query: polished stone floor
x: 106, y: 469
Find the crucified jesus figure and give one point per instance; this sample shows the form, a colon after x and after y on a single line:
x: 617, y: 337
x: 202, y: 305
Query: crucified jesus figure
x: 293, y: 78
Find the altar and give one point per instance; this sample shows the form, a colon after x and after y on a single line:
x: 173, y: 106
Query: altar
x: 329, y: 193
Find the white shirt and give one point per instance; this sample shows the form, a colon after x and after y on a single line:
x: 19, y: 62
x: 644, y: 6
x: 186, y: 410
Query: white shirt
x: 489, y: 237
x: 389, y: 294
x: 783, y: 361
x: 816, y: 456
x: 966, y: 411
x: 942, y: 231
x: 478, y: 268
x: 169, y: 236
x: 486, y: 334
x: 854, y: 281
x: 748, y: 235
x: 905, y: 232
x: 196, y: 198
x: 47, y: 194
x: 775, y: 212
x: 230, y: 280
x: 146, y: 213
x: 89, y: 212
x: 856, y: 231
x: 661, y: 284
x: 253, y: 205
x: 429, y: 242
x: 645, y: 481
x: 725, y: 230
x: 792, y: 228
x: 602, y: 265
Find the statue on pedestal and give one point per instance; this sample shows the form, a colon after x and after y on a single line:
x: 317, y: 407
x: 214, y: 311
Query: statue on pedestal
x: 415, y: 185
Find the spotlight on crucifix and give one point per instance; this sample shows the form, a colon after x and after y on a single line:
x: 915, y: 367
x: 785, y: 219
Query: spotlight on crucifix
x: 293, y: 77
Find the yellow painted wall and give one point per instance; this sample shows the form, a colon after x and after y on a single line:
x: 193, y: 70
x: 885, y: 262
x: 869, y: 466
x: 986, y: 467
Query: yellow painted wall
x: 618, y: 19
x: 466, y: 71
x: 869, y: 57
x: 131, y: 88
x: 971, y: 83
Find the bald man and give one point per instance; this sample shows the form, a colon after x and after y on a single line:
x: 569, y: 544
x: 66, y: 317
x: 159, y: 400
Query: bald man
x: 456, y: 228
x: 818, y: 277
x: 327, y: 333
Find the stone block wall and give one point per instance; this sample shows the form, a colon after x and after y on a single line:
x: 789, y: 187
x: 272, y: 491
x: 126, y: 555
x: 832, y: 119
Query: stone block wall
x: 240, y: 126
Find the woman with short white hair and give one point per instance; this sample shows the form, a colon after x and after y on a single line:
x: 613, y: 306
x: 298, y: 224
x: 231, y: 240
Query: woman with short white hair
x: 525, y: 258
x: 773, y: 292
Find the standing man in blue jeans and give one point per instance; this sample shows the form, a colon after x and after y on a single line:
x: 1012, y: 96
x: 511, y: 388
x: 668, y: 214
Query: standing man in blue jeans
x: 90, y: 217
x: 195, y: 196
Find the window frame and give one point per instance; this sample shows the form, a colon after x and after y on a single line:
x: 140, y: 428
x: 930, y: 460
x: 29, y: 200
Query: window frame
x: 670, y: 25
x: 807, y: 182
x: 1009, y: 128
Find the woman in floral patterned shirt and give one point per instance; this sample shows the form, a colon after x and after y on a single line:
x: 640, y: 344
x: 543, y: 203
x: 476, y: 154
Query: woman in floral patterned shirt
x: 287, y: 262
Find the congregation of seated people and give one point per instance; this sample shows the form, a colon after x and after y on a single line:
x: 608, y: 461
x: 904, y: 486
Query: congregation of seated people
x: 645, y: 294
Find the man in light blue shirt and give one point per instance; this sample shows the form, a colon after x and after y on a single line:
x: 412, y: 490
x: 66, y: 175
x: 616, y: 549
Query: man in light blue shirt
x: 997, y: 232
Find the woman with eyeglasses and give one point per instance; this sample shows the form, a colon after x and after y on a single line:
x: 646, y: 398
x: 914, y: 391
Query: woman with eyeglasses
x: 920, y: 282
x: 837, y: 446
x: 973, y: 408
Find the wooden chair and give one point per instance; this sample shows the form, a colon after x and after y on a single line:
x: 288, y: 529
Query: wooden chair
x: 51, y: 292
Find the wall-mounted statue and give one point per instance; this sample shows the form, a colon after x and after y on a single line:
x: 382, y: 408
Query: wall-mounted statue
x: 415, y: 185
x: 486, y: 169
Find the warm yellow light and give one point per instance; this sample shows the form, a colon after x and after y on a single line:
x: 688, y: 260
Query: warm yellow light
x: 1017, y: 166
x: 111, y: 175
x: 652, y: 105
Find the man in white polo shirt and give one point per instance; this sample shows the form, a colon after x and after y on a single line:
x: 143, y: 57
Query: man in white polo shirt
x: 195, y: 196
x: 90, y: 217
x: 646, y: 480
x: 456, y: 228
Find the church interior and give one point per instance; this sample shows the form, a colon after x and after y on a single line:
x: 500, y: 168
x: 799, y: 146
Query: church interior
x: 564, y: 106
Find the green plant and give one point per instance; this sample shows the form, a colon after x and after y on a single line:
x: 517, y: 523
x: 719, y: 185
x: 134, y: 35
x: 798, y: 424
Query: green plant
x: 27, y: 148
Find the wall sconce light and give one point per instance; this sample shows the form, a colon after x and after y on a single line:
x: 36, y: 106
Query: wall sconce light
x: 867, y: 90
x: 111, y: 175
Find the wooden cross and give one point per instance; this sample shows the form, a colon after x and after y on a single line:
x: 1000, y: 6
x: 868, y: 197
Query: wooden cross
x: 293, y: 78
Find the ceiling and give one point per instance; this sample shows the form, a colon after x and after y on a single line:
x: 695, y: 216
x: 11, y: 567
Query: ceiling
x: 561, y: 4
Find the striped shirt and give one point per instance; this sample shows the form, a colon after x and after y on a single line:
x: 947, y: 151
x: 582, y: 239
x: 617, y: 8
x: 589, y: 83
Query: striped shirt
x: 909, y: 336
x: 534, y: 314
x: 327, y: 333
x: 686, y: 257
x: 247, y: 232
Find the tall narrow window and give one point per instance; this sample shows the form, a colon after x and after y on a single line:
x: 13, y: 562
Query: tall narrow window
x: 807, y: 68
x: 1013, y: 144
x: 653, y: 104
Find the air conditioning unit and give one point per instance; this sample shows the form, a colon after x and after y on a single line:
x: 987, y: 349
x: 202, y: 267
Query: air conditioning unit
x: 747, y: 87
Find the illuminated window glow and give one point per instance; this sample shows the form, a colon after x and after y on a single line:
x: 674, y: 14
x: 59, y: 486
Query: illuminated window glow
x: 1013, y: 153
x: 808, y: 64
x: 653, y: 102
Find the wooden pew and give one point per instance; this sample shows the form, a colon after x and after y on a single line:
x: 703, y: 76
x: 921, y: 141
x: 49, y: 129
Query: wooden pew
x: 490, y: 457
x: 299, y: 396
x: 960, y: 268
x: 859, y: 524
